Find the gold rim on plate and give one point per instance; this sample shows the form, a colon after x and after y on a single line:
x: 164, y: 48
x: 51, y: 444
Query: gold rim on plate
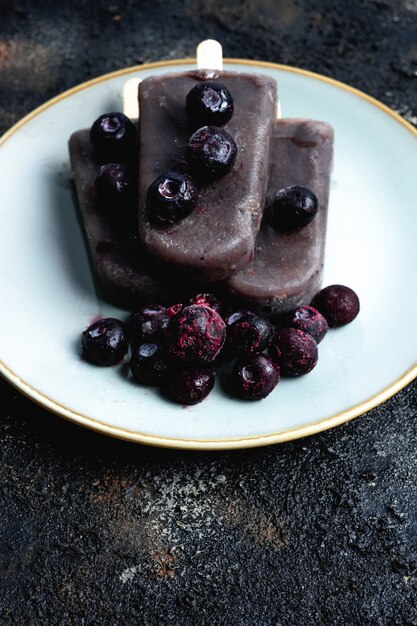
x: 207, y: 444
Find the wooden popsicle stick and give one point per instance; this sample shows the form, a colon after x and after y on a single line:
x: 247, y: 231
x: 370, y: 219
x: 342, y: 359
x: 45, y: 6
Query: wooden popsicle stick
x: 130, y: 98
x: 209, y: 55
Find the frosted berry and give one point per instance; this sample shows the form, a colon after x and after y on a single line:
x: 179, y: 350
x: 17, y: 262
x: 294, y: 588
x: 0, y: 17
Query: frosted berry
x: 308, y: 319
x: 208, y: 299
x: 190, y: 386
x: 339, y: 304
x: 195, y: 334
x: 294, y: 350
x: 105, y: 342
x: 247, y: 332
x: 148, y: 364
x: 147, y: 324
x: 255, y: 376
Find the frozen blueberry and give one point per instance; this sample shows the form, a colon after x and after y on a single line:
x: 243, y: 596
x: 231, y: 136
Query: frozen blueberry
x: 339, y: 304
x: 294, y: 350
x: 190, y: 386
x: 148, y: 364
x: 173, y: 309
x: 195, y: 334
x: 105, y: 342
x: 115, y: 187
x: 209, y: 104
x: 294, y: 207
x: 208, y: 299
x: 147, y: 324
x: 255, y: 376
x: 113, y: 137
x: 308, y: 319
x: 247, y: 332
x: 210, y: 152
x: 234, y: 316
x: 171, y: 197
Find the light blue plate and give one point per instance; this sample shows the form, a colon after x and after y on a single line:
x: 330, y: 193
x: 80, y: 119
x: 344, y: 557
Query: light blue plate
x: 48, y: 296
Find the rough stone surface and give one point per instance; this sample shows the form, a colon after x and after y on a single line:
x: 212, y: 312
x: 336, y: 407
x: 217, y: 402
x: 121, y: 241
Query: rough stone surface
x: 100, y: 532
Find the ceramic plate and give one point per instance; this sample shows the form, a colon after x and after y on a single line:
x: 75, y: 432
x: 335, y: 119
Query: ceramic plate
x: 48, y: 295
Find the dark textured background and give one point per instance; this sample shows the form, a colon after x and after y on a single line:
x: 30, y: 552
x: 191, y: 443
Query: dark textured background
x: 319, y: 531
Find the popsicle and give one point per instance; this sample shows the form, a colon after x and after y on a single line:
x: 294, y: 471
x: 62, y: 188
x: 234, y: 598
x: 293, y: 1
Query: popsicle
x: 287, y: 267
x: 119, y: 264
x: 217, y: 238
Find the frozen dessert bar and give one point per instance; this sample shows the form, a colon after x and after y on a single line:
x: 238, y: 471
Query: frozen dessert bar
x: 286, y: 270
x: 115, y: 254
x: 217, y: 238
x: 287, y: 267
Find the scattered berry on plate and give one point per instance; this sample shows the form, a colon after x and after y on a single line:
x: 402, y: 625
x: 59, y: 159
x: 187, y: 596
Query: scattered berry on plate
x: 294, y: 350
x: 147, y: 324
x: 207, y: 299
x: 148, y: 364
x: 190, y: 386
x: 105, y: 342
x: 339, y: 304
x: 247, y: 332
x: 255, y: 376
x: 195, y: 334
x: 308, y: 319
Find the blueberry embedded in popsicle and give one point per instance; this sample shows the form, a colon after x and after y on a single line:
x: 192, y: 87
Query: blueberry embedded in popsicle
x: 209, y: 104
x: 114, y: 138
x: 210, y: 153
x: 116, y: 188
x: 171, y: 198
x: 294, y: 207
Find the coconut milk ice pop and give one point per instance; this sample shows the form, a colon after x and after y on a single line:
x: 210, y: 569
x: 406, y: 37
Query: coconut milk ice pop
x: 286, y: 270
x: 287, y: 267
x: 118, y: 263
x: 200, y: 207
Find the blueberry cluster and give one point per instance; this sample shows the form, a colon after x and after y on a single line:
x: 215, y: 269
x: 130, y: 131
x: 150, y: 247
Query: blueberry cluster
x: 180, y: 347
x: 114, y: 139
x: 209, y: 154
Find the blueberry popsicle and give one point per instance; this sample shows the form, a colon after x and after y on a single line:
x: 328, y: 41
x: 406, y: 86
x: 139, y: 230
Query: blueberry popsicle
x: 118, y: 263
x: 286, y: 270
x: 217, y: 238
